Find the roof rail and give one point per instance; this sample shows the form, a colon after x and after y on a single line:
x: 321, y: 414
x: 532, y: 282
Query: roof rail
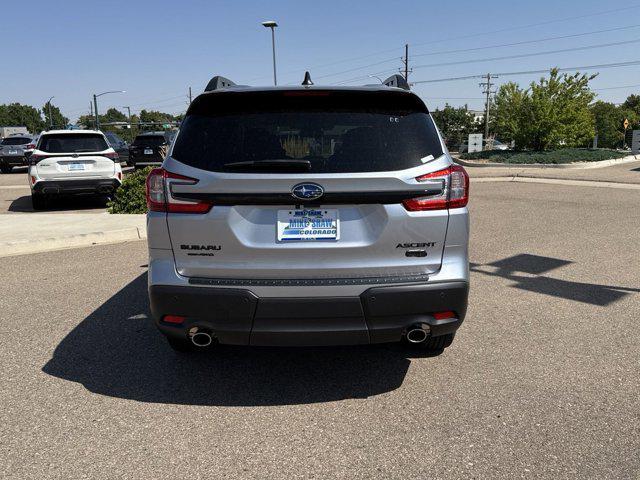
x: 397, y: 81
x: 218, y: 82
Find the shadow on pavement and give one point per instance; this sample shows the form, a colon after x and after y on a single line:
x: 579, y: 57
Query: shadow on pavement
x: 527, y: 272
x: 117, y: 351
x: 60, y: 204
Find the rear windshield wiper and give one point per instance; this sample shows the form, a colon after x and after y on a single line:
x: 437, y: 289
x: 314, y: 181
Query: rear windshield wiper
x: 284, y: 164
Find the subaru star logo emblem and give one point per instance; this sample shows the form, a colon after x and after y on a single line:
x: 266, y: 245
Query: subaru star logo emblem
x: 307, y: 191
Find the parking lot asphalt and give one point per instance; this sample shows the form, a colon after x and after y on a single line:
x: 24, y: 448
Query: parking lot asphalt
x: 542, y: 379
x: 15, y: 197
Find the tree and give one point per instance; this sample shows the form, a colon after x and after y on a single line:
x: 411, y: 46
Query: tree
x: 57, y: 119
x: 113, y: 115
x: 551, y: 113
x: 455, y: 123
x: 609, y: 121
x: 153, y: 116
x: 16, y: 114
x: 633, y: 103
x: 508, y: 106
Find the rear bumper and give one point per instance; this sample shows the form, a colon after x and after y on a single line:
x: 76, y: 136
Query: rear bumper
x: 98, y: 185
x: 378, y: 315
x: 14, y: 160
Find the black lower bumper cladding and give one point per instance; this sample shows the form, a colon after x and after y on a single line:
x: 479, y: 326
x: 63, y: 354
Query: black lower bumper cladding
x: 76, y: 186
x: 379, y: 315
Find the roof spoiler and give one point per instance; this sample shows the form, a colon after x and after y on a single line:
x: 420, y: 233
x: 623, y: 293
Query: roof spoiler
x: 397, y: 81
x: 218, y: 82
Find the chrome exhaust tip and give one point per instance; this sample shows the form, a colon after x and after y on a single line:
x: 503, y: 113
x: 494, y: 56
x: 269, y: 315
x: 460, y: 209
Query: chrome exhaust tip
x: 418, y: 334
x: 201, y: 339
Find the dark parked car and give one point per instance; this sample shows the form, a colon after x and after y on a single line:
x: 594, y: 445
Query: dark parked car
x: 119, y: 145
x: 12, y: 151
x: 149, y: 148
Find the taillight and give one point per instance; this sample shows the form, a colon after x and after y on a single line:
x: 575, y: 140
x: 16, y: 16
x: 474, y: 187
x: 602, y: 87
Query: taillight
x: 31, y: 146
x: 35, y: 158
x: 112, y: 155
x: 159, y: 198
x: 455, y: 192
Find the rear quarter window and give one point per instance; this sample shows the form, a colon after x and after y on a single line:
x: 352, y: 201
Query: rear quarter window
x: 336, y: 132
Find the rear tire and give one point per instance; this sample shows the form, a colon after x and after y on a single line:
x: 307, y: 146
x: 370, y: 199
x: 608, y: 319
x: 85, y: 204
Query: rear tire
x: 38, y: 201
x: 181, y: 345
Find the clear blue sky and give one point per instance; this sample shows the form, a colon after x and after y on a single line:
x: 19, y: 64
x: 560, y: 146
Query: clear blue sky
x: 156, y: 49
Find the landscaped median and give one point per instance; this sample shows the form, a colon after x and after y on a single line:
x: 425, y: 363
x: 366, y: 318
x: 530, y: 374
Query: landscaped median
x: 567, y: 157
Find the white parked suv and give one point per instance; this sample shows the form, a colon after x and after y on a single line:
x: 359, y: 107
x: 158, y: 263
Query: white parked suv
x: 70, y: 162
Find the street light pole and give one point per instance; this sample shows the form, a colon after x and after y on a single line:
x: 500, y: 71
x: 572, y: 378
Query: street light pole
x: 95, y: 104
x: 272, y: 25
x: 50, y: 117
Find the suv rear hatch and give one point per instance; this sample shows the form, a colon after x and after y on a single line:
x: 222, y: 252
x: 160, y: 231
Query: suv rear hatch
x: 61, y: 156
x: 246, y: 167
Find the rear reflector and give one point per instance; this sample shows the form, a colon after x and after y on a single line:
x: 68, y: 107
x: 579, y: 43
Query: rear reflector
x: 177, y: 319
x: 160, y: 199
x: 455, y: 193
x: 444, y: 315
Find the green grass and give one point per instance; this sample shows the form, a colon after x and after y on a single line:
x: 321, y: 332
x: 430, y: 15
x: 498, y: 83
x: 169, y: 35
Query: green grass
x: 565, y: 155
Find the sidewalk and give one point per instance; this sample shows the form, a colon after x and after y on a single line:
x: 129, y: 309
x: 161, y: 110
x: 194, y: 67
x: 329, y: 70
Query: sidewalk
x: 623, y: 173
x: 40, y: 232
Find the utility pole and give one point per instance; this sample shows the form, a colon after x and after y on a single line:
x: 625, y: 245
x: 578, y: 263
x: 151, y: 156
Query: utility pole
x: 190, y: 98
x: 129, y: 114
x: 487, y: 91
x: 95, y: 111
x: 405, y: 60
x: 91, y: 111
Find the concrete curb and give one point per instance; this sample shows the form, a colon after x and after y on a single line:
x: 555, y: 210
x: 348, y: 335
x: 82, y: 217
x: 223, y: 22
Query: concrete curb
x: 574, y: 166
x: 557, y: 181
x: 63, y: 242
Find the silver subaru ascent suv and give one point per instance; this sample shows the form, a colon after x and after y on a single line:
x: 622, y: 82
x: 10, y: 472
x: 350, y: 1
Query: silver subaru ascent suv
x: 302, y: 216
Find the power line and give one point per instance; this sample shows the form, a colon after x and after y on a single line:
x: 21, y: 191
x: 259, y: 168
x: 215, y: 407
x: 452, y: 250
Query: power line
x: 534, y: 54
x: 617, y: 88
x: 458, y: 37
x: 525, y: 42
x: 521, y: 27
x: 528, y: 72
x: 358, y: 68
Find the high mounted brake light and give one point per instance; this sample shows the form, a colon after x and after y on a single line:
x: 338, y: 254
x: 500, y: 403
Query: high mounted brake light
x: 455, y: 193
x: 159, y: 198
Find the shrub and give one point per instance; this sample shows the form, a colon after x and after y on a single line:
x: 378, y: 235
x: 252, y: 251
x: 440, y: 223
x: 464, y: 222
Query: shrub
x: 565, y: 155
x: 130, y: 197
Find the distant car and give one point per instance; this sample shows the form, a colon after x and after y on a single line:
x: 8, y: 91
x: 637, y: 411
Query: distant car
x: 119, y: 145
x: 70, y: 162
x: 149, y: 148
x: 13, y: 151
x: 488, y: 145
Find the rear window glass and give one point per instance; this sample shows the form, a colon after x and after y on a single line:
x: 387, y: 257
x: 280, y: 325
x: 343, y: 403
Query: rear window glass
x: 72, y: 142
x: 333, y: 131
x: 149, y: 140
x: 16, y: 141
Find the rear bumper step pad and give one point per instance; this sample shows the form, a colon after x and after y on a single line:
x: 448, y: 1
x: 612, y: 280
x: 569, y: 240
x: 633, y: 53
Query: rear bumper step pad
x: 379, y: 315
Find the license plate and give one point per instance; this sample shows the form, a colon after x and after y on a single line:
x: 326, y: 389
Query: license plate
x: 309, y: 224
x: 13, y: 152
x: 76, y: 166
x: 148, y: 151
